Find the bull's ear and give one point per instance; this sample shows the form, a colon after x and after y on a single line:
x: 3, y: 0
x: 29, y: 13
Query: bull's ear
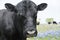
x: 10, y: 7
x: 41, y: 7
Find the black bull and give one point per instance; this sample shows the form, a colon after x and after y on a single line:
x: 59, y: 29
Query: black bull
x: 19, y: 22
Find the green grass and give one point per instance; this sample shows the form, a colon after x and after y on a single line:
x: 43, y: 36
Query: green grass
x: 45, y: 27
x: 46, y: 38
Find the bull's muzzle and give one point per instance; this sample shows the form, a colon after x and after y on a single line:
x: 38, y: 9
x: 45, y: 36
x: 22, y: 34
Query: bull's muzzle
x: 32, y: 33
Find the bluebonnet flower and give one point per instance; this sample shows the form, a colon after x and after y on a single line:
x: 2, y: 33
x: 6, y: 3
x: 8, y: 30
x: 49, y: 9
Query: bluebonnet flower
x: 51, y: 33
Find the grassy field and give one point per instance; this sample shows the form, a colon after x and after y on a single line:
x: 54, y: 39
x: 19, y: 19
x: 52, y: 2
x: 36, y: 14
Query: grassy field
x: 47, y: 32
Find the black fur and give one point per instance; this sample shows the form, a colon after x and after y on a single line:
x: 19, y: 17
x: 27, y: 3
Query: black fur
x: 15, y: 21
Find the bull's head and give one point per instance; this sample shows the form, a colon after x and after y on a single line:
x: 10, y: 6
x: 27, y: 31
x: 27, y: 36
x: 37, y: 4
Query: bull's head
x: 29, y: 11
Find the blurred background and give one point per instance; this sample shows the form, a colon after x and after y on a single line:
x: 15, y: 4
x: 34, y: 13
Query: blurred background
x: 48, y: 21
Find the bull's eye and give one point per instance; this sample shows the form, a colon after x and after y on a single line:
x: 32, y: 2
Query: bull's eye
x: 35, y: 15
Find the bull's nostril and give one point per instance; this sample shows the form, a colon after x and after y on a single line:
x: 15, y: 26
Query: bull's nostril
x: 30, y: 32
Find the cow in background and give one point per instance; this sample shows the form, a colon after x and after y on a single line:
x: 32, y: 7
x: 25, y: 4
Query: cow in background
x: 54, y: 22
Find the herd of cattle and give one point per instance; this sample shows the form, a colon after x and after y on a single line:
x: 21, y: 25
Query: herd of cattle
x: 54, y: 22
x: 19, y: 22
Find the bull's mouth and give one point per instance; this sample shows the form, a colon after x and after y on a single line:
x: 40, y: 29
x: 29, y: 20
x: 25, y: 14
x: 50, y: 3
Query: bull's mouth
x: 32, y: 35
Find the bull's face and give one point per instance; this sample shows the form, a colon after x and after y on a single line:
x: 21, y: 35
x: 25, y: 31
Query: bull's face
x: 29, y: 11
x: 30, y: 23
